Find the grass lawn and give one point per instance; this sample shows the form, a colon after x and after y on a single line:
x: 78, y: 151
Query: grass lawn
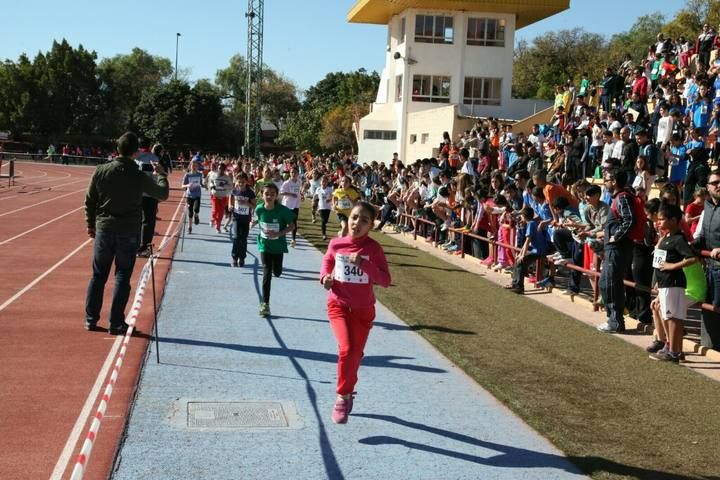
x: 614, y: 412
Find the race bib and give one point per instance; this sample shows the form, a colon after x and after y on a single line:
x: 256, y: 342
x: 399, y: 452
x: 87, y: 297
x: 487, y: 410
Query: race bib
x: 704, y: 109
x: 347, y: 272
x: 654, y: 71
x: 659, y: 258
x: 242, y: 210
x: 344, y: 203
x: 266, y: 228
x: 717, y: 93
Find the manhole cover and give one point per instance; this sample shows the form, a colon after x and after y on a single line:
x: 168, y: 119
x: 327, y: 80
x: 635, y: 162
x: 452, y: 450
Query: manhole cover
x: 236, y: 415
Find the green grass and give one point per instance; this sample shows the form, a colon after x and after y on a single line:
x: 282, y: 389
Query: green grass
x: 615, y: 413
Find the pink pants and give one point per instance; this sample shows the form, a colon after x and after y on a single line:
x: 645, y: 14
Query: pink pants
x: 351, y: 328
x: 217, y: 209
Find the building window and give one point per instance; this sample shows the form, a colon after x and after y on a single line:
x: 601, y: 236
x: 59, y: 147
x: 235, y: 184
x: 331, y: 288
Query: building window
x: 486, y: 32
x: 431, y: 88
x: 380, y: 134
x: 398, y: 88
x: 432, y: 29
x: 402, y: 30
x: 413, y: 138
x: 424, y: 138
x: 482, y: 91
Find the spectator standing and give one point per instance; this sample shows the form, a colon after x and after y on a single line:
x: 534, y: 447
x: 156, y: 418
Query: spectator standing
x: 708, y: 238
x: 113, y: 214
x: 618, y: 251
x: 145, y: 161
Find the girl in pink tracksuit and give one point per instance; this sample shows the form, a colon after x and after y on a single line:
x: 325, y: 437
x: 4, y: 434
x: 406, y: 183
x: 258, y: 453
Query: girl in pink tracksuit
x: 350, y: 268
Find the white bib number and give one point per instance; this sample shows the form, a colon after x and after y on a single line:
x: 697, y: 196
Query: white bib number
x: 344, y: 204
x: 243, y: 210
x: 266, y: 228
x: 347, y: 272
x: 704, y: 109
x: 659, y: 258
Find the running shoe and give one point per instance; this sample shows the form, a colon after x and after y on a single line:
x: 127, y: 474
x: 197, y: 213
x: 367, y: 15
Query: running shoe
x: 197, y: 219
x: 293, y: 243
x: 665, y: 356
x: 234, y: 262
x: 655, y: 346
x: 264, y: 309
x: 341, y: 410
x: 118, y: 330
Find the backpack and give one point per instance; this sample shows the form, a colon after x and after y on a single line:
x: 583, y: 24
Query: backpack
x: 637, y: 230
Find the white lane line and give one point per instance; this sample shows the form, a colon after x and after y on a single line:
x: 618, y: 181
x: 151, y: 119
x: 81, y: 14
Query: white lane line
x: 40, y: 203
x: 40, y: 226
x: 42, y: 275
x: 66, y: 454
x: 85, y: 413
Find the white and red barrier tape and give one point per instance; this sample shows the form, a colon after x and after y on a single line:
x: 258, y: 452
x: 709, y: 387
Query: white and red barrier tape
x: 84, y: 456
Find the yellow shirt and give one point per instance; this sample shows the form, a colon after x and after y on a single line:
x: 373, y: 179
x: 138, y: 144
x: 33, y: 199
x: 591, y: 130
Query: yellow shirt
x: 345, y: 200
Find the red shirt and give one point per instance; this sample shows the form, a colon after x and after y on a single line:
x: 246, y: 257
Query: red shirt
x: 693, y: 210
x: 353, y: 286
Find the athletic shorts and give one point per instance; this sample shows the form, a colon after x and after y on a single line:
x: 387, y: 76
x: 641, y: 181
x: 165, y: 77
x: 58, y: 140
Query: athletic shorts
x: 674, y: 303
x: 342, y: 217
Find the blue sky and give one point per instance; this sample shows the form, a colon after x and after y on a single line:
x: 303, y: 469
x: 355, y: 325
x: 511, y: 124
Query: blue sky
x: 304, y: 39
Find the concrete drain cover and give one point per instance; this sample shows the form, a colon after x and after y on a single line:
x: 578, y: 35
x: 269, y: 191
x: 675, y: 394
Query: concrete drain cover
x: 236, y: 415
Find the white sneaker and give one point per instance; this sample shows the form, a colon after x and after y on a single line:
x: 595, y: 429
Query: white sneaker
x: 607, y: 328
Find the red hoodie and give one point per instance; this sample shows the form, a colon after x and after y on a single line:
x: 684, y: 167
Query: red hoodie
x: 353, y: 286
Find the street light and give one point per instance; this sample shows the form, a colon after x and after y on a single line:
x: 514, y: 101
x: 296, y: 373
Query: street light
x: 177, y: 42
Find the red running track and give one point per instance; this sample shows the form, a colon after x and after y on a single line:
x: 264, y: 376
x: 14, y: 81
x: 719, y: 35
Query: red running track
x: 52, y: 372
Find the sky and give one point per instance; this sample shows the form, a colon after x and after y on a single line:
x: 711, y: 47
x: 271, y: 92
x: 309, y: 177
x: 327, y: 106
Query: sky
x: 304, y: 39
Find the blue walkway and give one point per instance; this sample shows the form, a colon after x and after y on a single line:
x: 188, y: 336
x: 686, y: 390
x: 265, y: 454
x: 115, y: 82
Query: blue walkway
x: 237, y: 396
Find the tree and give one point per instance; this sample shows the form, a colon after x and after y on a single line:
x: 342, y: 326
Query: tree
x: 19, y: 96
x: 688, y: 22
x: 337, y: 129
x: 68, y: 80
x: 302, y: 130
x: 555, y: 58
x: 636, y: 41
x: 124, y: 78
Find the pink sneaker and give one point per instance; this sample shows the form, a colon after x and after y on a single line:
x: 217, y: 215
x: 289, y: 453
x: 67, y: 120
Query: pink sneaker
x: 341, y: 410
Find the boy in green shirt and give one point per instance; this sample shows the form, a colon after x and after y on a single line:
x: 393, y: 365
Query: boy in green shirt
x: 275, y: 220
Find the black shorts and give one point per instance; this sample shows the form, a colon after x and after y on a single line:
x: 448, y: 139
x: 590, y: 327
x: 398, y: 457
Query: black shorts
x: 342, y: 217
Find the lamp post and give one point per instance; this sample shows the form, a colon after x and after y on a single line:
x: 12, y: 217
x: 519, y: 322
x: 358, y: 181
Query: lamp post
x: 177, y: 42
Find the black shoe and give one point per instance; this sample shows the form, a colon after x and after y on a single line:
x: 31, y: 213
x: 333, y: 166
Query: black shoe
x: 118, y: 330
x: 655, y: 346
x: 197, y: 220
x: 91, y: 326
x: 234, y: 262
x: 143, y: 252
x: 241, y: 263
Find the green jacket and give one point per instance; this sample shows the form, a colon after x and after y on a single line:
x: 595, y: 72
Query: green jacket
x: 113, y: 201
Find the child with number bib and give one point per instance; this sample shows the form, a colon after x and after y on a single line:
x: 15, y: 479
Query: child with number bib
x: 243, y: 205
x: 350, y: 268
x: 671, y: 261
x: 275, y: 221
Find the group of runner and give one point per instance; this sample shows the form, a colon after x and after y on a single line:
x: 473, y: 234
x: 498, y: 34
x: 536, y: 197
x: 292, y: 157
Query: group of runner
x: 246, y: 194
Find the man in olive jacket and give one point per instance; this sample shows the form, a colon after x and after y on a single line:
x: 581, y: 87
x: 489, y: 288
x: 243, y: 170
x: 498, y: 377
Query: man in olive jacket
x: 113, y: 213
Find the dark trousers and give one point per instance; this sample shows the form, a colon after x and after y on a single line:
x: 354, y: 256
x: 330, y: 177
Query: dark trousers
x: 239, y: 233
x: 296, y: 211
x: 642, y: 273
x: 612, y: 288
x: 324, y: 218
x: 193, y: 206
x: 520, y: 270
x: 149, y: 210
x: 272, y: 265
x: 118, y: 248
x: 480, y: 248
x: 386, y: 214
x: 569, y: 248
x: 710, y: 326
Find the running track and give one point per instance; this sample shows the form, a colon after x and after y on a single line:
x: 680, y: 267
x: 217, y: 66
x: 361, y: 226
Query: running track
x: 52, y: 372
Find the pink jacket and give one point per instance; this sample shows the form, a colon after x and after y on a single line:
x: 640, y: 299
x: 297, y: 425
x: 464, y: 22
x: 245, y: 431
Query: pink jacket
x: 353, y: 286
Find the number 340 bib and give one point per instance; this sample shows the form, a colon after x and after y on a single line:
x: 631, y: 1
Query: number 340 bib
x: 347, y: 272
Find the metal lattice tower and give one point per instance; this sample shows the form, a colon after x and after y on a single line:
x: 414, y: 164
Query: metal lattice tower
x: 253, y: 103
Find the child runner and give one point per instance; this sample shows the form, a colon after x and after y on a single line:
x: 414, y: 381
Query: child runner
x: 350, y: 268
x: 220, y: 185
x: 291, y: 198
x: 243, y: 204
x: 344, y: 197
x: 192, y: 183
x: 275, y: 221
x: 672, y: 255
x: 324, y: 196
